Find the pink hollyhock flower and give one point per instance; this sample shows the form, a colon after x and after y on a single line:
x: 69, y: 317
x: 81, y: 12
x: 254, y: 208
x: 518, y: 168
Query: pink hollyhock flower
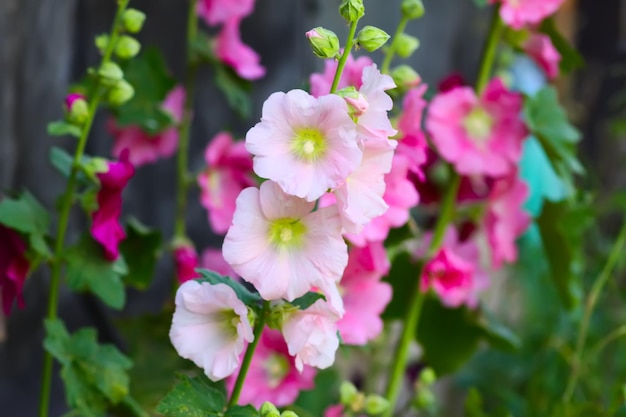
x: 454, y: 273
x: 186, y: 261
x: 352, y: 75
x: 210, y: 327
x: 373, y: 122
x: 305, y: 144
x: 14, y: 267
x: 311, y: 336
x: 234, y: 53
x: 519, y: 13
x: 412, y: 143
x: 145, y: 148
x: 229, y: 170
x: 365, y: 296
x: 272, y: 375
x: 334, y: 411
x: 539, y: 47
x: 506, y: 220
x: 215, y: 12
x: 212, y: 259
x: 280, y: 246
x: 479, y: 135
x: 451, y: 82
x: 105, y: 226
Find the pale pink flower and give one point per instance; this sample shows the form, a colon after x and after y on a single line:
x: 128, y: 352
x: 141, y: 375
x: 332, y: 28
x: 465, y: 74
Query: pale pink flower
x: 351, y: 76
x: 233, y: 52
x: 365, y: 296
x: 272, y: 375
x: 213, y: 260
x: 186, y: 262
x: 412, y: 143
x: 280, y: 246
x: 215, y: 12
x: 520, y: 13
x: 334, y: 411
x: 210, y: 327
x: 229, y: 170
x: 479, y: 135
x: 311, y: 336
x: 373, y: 123
x: 506, y: 219
x: 539, y: 47
x: 144, y: 147
x: 305, y: 144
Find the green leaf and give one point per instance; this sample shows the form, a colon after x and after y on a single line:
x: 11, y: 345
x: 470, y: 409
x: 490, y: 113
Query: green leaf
x: 89, y: 270
x: 26, y: 215
x: 62, y: 128
x: 497, y: 334
x: 242, y: 411
x: 246, y: 296
x: 403, y: 277
x: 141, y: 250
x: 235, y: 89
x: 571, y: 59
x: 474, y: 404
x: 307, y: 300
x: 192, y: 397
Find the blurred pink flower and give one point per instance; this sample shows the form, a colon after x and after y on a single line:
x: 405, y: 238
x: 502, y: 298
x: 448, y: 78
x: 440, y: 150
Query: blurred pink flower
x: 352, y: 75
x: 233, y: 52
x: 212, y: 259
x: 412, y: 143
x: 215, y: 12
x: 373, y: 122
x: 520, y: 13
x: 14, y: 267
x: 539, y: 47
x: 186, y: 261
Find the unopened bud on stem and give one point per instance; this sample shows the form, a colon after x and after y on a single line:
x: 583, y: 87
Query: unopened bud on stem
x: 412, y: 9
x: 324, y: 42
x: 352, y: 10
x: 371, y: 38
x: 133, y: 20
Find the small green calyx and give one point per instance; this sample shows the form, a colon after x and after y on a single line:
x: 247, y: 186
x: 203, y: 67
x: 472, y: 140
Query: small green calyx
x: 133, y: 20
x: 371, y: 38
x: 406, y: 45
x: 412, y: 9
x: 352, y: 10
x: 478, y: 124
x: 286, y: 233
x: 308, y: 144
x: 127, y: 47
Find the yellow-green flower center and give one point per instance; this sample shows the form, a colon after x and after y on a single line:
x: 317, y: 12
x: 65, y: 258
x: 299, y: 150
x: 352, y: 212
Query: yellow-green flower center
x: 309, y: 144
x: 229, y: 320
x: 276, y: 368
x: 478, y: 124
x: 286, y: 233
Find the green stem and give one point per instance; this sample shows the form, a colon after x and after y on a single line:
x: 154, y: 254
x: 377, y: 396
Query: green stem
x: 394, y: 44
x: 182, y: 158
x: 344, y: 56
x: 489, y: 52
x: 592, y: 300
x: 64, y: 216
x: 413, y: 313
x: 614, y: 335
x: 245, y: 364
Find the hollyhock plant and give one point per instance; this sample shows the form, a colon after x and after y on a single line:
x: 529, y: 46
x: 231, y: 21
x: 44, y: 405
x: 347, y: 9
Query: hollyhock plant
x: 210, y: 327
x: 352, y: 75
x: 105, y: 226
x: 311, y: 336
x: 272, y: 375
x: 520, y: 13
x: 373, y: 123
x: 186, y: 261
x: 14, y: 267
x: 412, y: 143
x: 280, y: 246
x: 233, y: 52
x: 215, y: 12
x: 305, y: 144
x: 144, y: 147
x: 540, y: 48
x: 229, y: 170
x: 479, y: 135
x: 213, y: 260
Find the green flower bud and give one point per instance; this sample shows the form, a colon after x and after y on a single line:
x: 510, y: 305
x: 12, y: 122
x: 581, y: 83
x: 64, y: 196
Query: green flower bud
x: 425, y: 400
x: 371, y: 38
x: 288, y: 413
x: 269, y: 410
x: 324, y: 42
x: 347, y: 393
x: 375, y: 404
x: 428, y: 376
x: 352, y: 10
x: 120, y: 93
x: 406, y: 45
x: 102, y: 41
x: 127, y: 47
x: 110, y: 73
x: 77, y: 108
x: 132, y: 20
x: 405, y: 77
x: 412, y: 9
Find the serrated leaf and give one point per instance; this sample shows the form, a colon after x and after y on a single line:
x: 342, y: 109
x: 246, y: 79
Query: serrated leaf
x: 242, y: 411
x: 141, y: 250
x: 247, y: 297
x: 62, y: 128
x: 307, y: 300
x: 192, y: 397
x: 235, y: 89
x: 89, y: 270
x: 403, y: 277
x: 571, y: 59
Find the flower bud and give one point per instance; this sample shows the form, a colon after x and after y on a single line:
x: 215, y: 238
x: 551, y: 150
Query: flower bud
x: 357, y: 101
x: 412, y: 9
x: 288, y: 413
x: 110, y: 73
x: 428, y: 376
x: 269, y: 410
x: 347, y: 393
x: 120, y: 93
x: 133, y: 20
x: 406, y: 45
x: 352, y: 10
x: 371, y: 38
x: 127, y: 47
x: 324, y: 42
x: 424, y: 400
x: 405, y: 77
x: 375, y: 404
x: 102, y: 41
x: 77, y: 108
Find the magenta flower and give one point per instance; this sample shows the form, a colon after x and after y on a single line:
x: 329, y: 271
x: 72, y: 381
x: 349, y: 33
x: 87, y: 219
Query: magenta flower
x: 186, y: 261
x: 539, y: 47
x: 71, y: 98
x: 272, y: 375
x: 520, y: 13
x: 306, y: 144
x: 105, y: 226
x: 210, y: 327
x: 229, y: 170
x: 215, y: 12
x: 280, y: 246
x: 352, y: 75
x: 412, y: 143
x: 479, y: 135
x: 234, y: 53
x: 145, y: 148
x: 213, y: 260
x: 14, y: 267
